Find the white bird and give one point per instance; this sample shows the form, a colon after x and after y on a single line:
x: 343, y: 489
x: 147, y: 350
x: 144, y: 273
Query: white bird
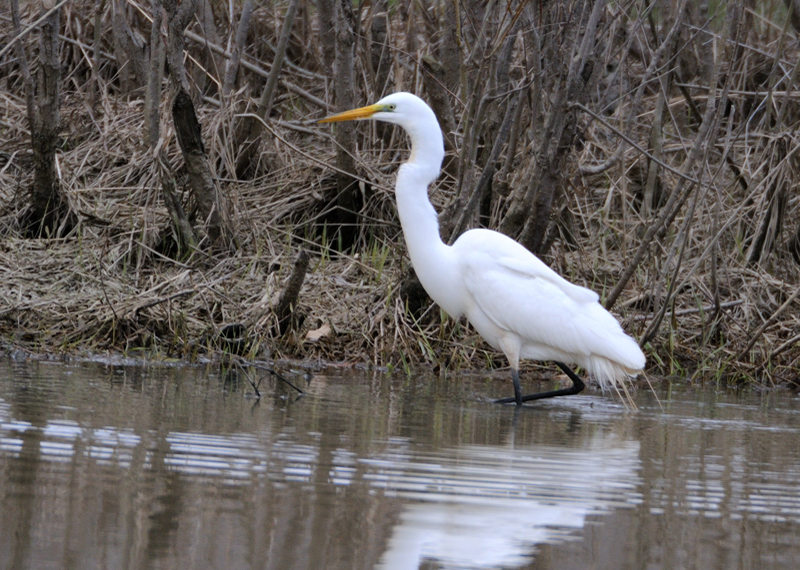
x: 515, y: 302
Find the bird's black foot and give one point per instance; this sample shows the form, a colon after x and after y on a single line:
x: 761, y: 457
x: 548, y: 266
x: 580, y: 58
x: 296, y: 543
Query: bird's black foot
x: 518, y: 399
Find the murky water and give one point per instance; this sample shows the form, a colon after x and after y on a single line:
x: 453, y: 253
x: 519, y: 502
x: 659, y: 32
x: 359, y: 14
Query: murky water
x: 135, y: 467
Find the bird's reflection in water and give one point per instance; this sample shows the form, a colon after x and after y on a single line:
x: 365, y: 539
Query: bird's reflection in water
x: 489, y: 506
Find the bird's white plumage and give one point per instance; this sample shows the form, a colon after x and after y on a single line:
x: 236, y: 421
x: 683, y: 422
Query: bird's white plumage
x: 521, y: 306
x: 517, y: 303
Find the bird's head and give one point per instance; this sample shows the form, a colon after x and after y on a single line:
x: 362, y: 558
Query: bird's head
x: 404, y: 109
x: 416, y: 118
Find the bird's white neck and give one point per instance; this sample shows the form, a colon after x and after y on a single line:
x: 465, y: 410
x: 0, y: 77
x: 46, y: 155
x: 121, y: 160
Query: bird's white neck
x: 430, y: 256
x: 417, y: 215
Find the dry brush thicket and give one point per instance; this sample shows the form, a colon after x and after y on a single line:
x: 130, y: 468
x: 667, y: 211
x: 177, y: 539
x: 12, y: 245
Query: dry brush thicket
x: 645, y: 149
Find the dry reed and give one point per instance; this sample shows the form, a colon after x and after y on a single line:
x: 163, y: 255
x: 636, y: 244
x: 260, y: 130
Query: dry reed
x: 715, y: 296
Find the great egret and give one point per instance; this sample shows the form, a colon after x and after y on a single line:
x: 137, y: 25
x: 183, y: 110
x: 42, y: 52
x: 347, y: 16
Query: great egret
x: 517, y: 304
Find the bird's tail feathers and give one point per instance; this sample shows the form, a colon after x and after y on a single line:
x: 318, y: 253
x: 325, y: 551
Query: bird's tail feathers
x: 610, y: 374
x: 626, y: 353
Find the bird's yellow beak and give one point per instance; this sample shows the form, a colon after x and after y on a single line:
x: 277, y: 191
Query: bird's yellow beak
x: 360, y: 113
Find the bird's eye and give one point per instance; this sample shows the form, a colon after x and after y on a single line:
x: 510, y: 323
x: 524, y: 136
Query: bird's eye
x: 391, y: 107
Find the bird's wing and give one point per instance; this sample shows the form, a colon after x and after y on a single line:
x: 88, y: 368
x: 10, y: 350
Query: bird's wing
x: 483, y: 247
x: 519, y: 293
x: 532, y: 267
x: 532, y: 307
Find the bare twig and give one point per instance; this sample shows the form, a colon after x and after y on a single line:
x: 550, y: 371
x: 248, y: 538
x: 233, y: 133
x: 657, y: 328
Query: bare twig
x: 670, y: 208
x: 33, y: 26
x: 768, y: 323
x: 634, y: 144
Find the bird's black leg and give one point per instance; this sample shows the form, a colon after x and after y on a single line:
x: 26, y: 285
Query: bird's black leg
x: 577, y: 387
x: 517, y: 389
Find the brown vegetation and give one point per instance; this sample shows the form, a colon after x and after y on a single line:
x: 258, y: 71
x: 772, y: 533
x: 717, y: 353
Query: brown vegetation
x: 647, y: 150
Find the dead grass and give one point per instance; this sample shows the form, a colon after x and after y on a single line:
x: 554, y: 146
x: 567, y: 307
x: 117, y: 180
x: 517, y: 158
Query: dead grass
x: 721, y: 275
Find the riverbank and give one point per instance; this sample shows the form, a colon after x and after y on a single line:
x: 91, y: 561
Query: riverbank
x: 654, y: 171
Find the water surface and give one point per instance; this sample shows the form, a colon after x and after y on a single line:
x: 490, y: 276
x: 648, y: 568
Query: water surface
x: 111, y: 466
